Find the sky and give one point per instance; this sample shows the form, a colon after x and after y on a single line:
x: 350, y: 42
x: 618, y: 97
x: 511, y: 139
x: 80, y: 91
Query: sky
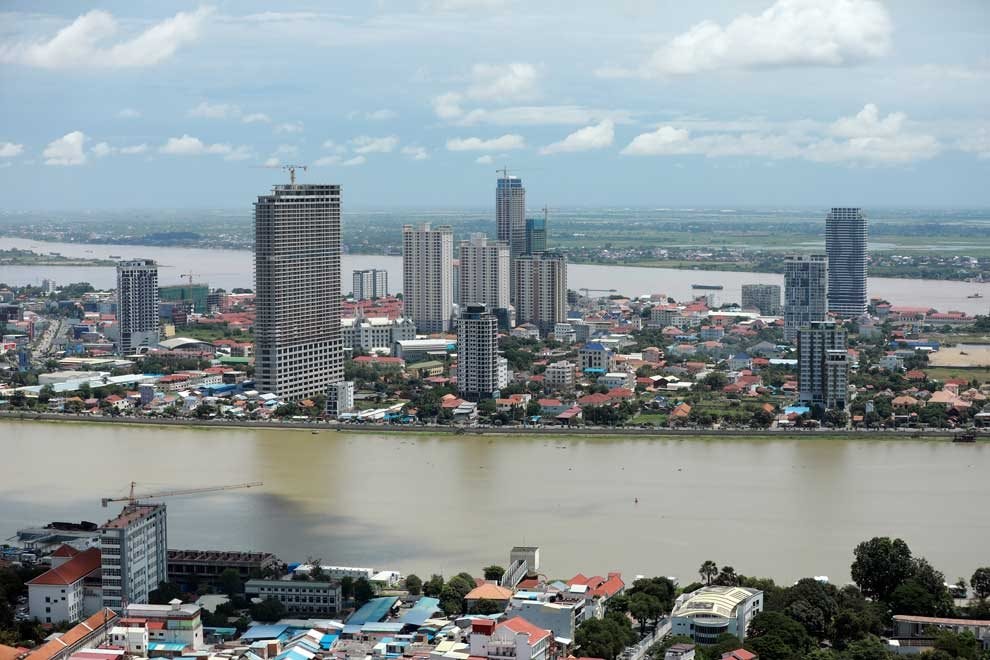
x: 416, y: 103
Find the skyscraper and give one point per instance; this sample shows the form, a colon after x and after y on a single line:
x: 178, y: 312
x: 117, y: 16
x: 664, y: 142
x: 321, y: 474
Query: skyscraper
x: 477, y: 353
x: 137, y: 304
x: 541, y: 290
x: 369, y: 283
x: 845, y: 245
x: 510, y: 214
x: 536, y: 235
x: 133, y: 554
x: 805, y: 292
x: 298, y: 349
x: 764, y: 297
x: 484, y: 272
x: 427, y: 277
x: 823, y: 365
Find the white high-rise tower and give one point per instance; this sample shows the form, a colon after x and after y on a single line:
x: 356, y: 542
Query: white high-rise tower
x: 805, y: 292
x: 427, y: 276
x: 845, y: 245
x: 137, y: 304
x: 484, y: 272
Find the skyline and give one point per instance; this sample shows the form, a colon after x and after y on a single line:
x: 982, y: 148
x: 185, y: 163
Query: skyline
x: 857, y: 103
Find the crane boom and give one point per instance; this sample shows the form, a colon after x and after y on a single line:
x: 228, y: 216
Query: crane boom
x: 131, y: 498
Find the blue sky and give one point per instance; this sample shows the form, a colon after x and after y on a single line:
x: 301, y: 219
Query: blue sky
x: 416, y: 102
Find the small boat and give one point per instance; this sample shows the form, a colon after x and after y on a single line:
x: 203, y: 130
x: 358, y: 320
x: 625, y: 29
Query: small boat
x: 975, y: 295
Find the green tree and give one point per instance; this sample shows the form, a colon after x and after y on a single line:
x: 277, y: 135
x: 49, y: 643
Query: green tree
x: 868, y: 648
x: 494, y: 572
x: 486, y: 606
x: 269, y: 610
x: 708, y: 571
x: 727, y: 577
x: 230, y: 582
x: 451, y: 602
x: 414, y: 585
x: 347, y: 587
x: 957, y: 645
x: 776, y: 636
x: 433, y: 586
x: 981, y: 577
x: 644, y: 608
x: 166, y: 591
x: 363, y: 590
x: 604, y: 638
x: 880, y: 566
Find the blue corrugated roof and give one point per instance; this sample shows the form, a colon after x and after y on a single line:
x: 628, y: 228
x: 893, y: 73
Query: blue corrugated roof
x: 166, y: 646
x: 421, y: 611
x: 273, y: 631
x: 375, y: 609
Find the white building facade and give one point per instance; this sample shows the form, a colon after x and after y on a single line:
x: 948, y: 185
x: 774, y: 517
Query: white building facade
x: 137, y: 305
x: 484, y: 272
x: 805, y: 292
x: 541, y: 290
x: 427, y: 276
x: 477, y: 353
x: 134, y: 554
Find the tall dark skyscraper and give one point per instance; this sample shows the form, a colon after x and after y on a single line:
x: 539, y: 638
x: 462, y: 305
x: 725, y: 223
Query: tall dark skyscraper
x: 299, y: 352
x: 510, y: 214
x: 536, y: 235
x: 805, y: 292
x: 845, y: 245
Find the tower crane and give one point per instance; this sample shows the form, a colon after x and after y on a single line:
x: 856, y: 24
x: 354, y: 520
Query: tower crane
x: 189, y: 276
x: 291, y: 169
x: 587, y: 290
x: 131, y: 498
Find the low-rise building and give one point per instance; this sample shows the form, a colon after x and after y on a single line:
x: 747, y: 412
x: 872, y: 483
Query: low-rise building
x: 513, y: 639
x: 711, y: 611
x: 560, y: 375
x: 185, y: 566
x: 298, y: 596
x: 375, y: 333
x: 596, y: 358
x: 71, y: 590
x: 616, y: 379
x: 170, y: 629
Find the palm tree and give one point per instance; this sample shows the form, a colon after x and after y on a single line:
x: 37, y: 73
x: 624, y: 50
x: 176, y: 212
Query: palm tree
x: 708, y: 571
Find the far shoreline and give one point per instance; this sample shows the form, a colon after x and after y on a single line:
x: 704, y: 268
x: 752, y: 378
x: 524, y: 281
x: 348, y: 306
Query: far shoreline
x: 454, y: 431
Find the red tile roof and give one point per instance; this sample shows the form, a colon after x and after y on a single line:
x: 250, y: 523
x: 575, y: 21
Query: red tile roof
x: 65, y: 550
x: 74, y: 635
x: 71, y: 571
x: 517, y: 624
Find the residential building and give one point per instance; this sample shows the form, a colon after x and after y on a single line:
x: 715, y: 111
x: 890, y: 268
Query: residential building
x: 137, y: 305
x: 341, y: 399
x: 680, y: 651
x: 192, y: 296
x: 186, y: 566
x: 376, y: 334
x: 595, y: 591
x: 510, y: 214
x: 134, y: 556
x: 823, y: 365
x: 541, y: 290
x: 87, y: 634
x: 711, y: 611
x: 488, y: 592
x: 596, y: 359
x: 512, y: 639
x: 559, y: 617
x: 477, y: 353
x: 845, y: 245
x: 71, y: 590
x: 369, y: 283
x: 560, y: 375
x: 170, y: 629
x: 918, y: 632
x: 298, y: 350
x: 427, y: 284
x: 564, y: 333
x: 764, y: 297
x: 805, y: 292
x: 536, y: 235
x: 300, y: 597
x: 484, y: 272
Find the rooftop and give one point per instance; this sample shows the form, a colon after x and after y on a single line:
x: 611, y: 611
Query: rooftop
x: 131, y: 514
x: 720, y: 601
x: 75, y: 569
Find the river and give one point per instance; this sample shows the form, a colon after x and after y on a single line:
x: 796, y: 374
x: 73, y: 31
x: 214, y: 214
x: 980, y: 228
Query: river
x: 784, y: 508
x: 235, y: 268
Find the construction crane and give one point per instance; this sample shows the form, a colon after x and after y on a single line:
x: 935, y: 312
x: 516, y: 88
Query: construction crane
x: 291, y: 169
x: 189, y: 276
x: 587, y: 290
x: 131, y: 498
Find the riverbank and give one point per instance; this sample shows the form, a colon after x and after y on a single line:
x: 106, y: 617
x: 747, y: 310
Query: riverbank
x: 374, y: 429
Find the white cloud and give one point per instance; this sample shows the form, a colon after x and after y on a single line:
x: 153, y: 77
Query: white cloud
x: 287, y: 150
x: 499, y: 83
x: 192, y: 146
x: 339, y: 160
x: 448, y: 106
x: 542, y: 115
x: 338, y: 148
x: 134, y: 149
x: 272, y: 162
x: 101, y: 149
x: 375, y: 115
x: 977, y: 142
x: 465, y: 5
x: 503, y: 143
x: 357, y: 160
x: 10, y: 149
x: 484, y: 160
x: 415, y: 152
x: 597, y: 136
x: 954, y: 72
x: 289, y: 127
x: 83, y: 43
x: 788, y: 33
x: 67, y: 150
x: 866, y: 138
x: 327, y: 160
x: 128, y: 113
x: 364, y: 144
x: 207, y: 110
x: 256, y: 118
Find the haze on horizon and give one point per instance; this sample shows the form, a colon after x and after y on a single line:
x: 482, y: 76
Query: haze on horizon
x: 751, y: 103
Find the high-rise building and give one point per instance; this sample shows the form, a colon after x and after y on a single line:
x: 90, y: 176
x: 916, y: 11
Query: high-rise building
x: 541, y: 290
x: 484, y: 272
x: 845, y: 245
x: 427, y: 277
x: 298, y: 349
x: 510, y: 214
x: 477, y: 353
x: 137, y: 304
x: 805, y: 292
x: 536, y: 235
x: 764, y: 297
x: 192, y: 296
x: 823, y: 365
x: 134, y: 554
x: 370, y: 283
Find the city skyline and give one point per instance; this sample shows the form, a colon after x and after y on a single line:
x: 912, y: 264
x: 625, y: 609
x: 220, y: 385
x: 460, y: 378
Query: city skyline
x: 839, y: 89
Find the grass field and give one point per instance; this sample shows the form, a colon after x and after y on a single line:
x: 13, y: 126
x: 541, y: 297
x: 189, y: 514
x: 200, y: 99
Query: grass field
x: 981, y: 374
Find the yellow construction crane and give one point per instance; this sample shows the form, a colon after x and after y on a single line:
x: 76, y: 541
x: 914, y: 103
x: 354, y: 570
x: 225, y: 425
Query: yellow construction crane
x: 131, y: 498
x: 189, y: 276
x: 291, y: 169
